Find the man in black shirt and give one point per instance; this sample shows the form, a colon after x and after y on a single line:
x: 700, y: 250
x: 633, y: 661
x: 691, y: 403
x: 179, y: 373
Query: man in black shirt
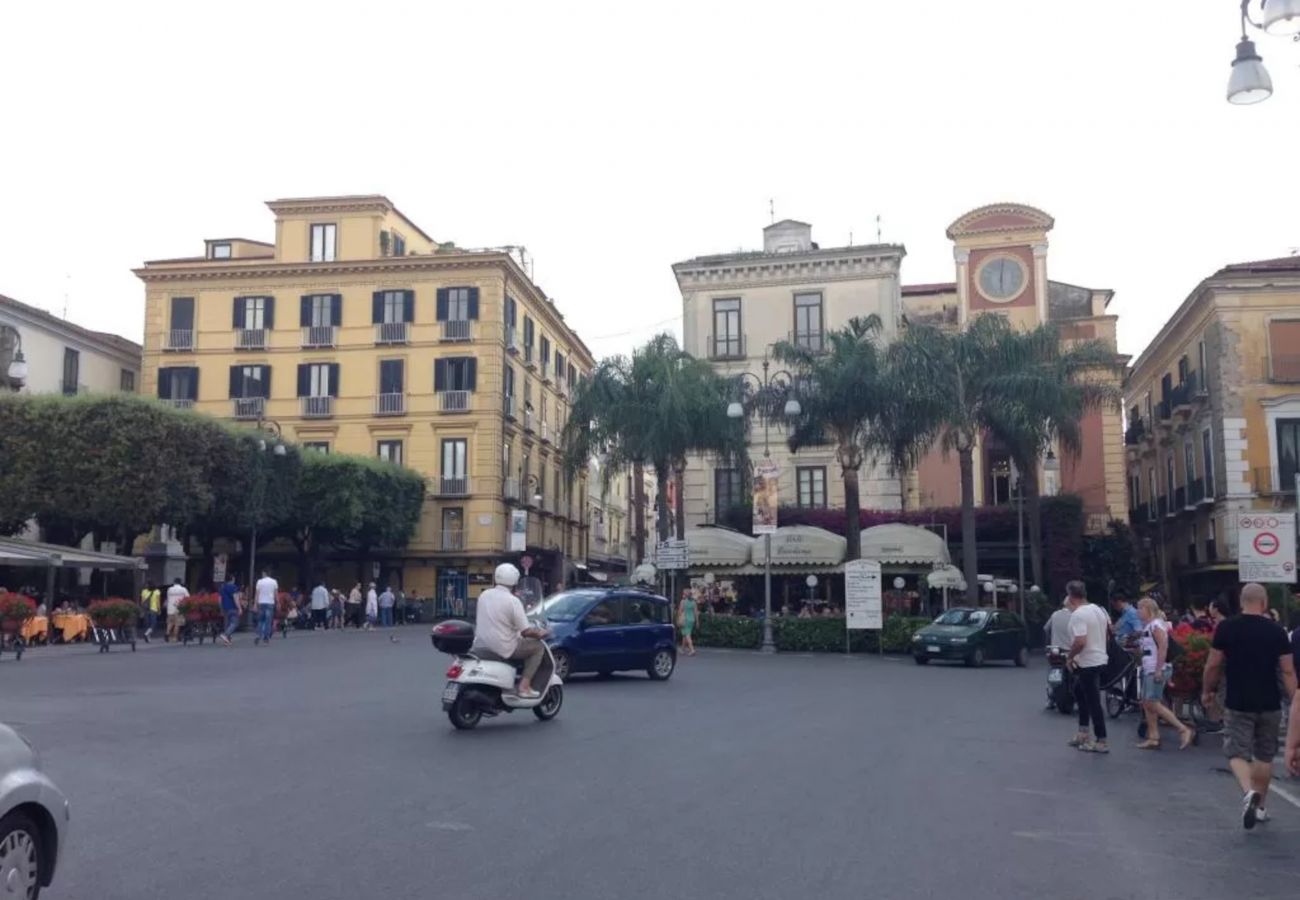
x: 1251, y: 648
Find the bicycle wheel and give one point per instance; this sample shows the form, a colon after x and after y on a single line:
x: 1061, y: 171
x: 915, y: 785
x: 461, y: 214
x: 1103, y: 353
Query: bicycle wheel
x: 1115, y: 701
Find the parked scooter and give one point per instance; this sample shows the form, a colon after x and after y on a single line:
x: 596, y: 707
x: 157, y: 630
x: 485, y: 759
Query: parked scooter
x: 480, y: 683
x: 1060, y: 681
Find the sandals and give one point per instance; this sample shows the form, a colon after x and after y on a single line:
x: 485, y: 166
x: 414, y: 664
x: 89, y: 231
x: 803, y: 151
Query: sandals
x: 1149, y: 745
x: 1187, y: 738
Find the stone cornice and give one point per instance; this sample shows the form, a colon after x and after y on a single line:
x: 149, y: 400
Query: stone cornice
x: 787, y: 270
x: 238, y: 270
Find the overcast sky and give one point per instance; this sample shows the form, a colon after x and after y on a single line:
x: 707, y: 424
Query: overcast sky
x: 612, y: 139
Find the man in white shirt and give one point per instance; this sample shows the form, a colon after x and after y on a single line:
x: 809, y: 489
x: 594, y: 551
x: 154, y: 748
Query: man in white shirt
x: 266, y: 591
x: 1089, y: 625
x: 1058, y: 628
x: 320, y: 604
x: 175, y: 594
x: 501, y: 628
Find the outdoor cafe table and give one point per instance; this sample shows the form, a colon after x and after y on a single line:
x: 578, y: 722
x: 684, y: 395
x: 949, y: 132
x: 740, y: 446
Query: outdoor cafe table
x: 35, y: 628
x: 74, y: 626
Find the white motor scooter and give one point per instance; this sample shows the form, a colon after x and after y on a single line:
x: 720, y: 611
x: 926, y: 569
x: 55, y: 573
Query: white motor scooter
x: 481, y: 684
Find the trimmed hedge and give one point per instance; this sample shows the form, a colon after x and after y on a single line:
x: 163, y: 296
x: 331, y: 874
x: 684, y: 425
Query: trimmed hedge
x: 807, y: 635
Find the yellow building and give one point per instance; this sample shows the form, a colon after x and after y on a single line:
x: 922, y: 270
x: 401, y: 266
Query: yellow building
x: 357, y: 332
x: 1213, y: 406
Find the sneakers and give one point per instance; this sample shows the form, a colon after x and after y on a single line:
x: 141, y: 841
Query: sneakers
x: 527, y: 695
x: 1091, y: 746
x: 1078, y: 741
x: 1261, y: 815
x: 1250, y: 810
x: 225, y: 639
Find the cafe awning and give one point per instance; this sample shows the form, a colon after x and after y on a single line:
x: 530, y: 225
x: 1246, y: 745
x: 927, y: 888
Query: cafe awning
x: 802, y: 545
x: 717, y: 548
x: 14, y: 552
x: 946, y: 576
x: 899, y: 544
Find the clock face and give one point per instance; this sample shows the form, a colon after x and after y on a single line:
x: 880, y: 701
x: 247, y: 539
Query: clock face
x: 1002, y: 278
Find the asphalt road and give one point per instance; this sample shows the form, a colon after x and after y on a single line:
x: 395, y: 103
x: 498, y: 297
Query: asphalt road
x: 323, y: 767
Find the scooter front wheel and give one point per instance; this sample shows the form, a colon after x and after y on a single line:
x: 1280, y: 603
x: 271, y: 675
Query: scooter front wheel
x: 549, y: 708
x: 464, y: 713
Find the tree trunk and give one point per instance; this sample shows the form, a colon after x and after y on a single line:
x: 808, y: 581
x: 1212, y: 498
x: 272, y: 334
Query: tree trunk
x: 1034, y: 522
x: 662, y: 523
x: 852, y: 514
x: 209, y: 542
x: 969, y: 558
x: 679, y: 478
x: 638, y: 511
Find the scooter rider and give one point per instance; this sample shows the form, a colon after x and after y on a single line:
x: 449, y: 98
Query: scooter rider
x: 501, y: 628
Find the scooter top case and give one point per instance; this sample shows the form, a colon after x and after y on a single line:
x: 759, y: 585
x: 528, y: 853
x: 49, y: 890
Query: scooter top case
x: 453, y: 636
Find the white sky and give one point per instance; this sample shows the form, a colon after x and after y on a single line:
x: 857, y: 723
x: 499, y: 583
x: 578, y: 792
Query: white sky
x: 613, y: 139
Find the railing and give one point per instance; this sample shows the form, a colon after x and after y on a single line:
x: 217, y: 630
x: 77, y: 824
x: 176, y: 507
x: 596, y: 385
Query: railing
x: 1195, y: 491
x: 510, y: 490
x: 250, y: 339
x: 1180, y: 499
x: 180, y: 402
x: 453, y: 485
x: 391, y: 404
x: 452, y: 539
x: 1163, y: 410
x: 1263, y: 483
x: 545, y: 432
x: 812, y: 341
x: 1137, y: 430
x: 512, y: 339
x: 453, y: 401
x: 1138, y: 514
x: 508, y: 405
x: 1284, y: 368
x: 1162, y: 507
x: 729, y: 346
x: 456, y: 330
x: 1181, y: 395
x: 528, y: 420
x: 319, y: 336
x: 249, y: 407
x: 392, y: 333
x: 317, y: 407
x: 180, y: 339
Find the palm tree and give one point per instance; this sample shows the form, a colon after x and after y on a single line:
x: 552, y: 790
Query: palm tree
x: 847, y: 395
x: 988, y: 378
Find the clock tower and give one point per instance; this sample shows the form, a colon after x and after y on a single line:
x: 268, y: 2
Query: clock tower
x: 1001, y: 256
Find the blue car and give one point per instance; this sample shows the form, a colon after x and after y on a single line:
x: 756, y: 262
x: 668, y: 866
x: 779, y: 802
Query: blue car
x: 607, y: 630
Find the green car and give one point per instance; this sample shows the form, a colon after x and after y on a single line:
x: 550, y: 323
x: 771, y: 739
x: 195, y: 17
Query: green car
x: 973, y: 636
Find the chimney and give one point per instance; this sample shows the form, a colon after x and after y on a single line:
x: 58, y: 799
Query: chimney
x: 788, y: 236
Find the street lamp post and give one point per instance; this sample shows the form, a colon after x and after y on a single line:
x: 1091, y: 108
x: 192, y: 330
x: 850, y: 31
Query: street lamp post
x: 764, y: 388
x: 271, y: 428
x: 1249, y: 81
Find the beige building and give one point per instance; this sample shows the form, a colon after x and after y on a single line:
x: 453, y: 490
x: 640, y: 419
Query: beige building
x: 54, y: 356
x: 1213, y: 407
x: 736, y: 306
x: 357, y: 332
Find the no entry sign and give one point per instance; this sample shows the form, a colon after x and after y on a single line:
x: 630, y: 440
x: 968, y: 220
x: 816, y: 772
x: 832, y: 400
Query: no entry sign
x: 1266, y: 547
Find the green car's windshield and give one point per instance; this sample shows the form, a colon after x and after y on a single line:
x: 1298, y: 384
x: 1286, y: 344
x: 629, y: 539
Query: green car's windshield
x: 567, y: 606
x: 970, y: 617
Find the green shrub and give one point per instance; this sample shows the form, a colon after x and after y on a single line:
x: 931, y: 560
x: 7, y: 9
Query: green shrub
x: 897, y: 636
x: 729, y: 631
x: 807, y: 635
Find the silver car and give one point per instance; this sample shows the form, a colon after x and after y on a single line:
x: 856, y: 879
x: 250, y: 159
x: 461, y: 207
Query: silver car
x: 34, y: 818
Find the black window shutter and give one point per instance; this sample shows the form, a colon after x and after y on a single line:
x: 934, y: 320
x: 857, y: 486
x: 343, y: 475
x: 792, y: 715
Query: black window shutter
x: 236, y: 378
x: 442, y: 304
x: 194, y: 383
x: 471, y: 378
x: 164, y: 383
x: 334, y: 379
x: 473, y: 303
x: 304, y: 380
x: 268, y: 318
x: 238, y: 318
x: 408, y: 306
x: 304, y: 316
x: 377, y: 307
x: 336, y: 310
x: 266, y: 382
x: 440, y: 375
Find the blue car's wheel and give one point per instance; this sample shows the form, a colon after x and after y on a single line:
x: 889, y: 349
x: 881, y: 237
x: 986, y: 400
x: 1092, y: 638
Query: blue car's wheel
x: 662, y: 665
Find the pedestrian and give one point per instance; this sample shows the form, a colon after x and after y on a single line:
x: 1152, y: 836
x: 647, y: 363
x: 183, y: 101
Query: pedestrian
x: 354, y: 605
x: 1089, y: 624
x: 265, y: 592
x: 1128, y: 625
x: 151, y: 602
x: 399, y: 607
x: 1200, y: 618
x: 1156, y: 671
x: 386, y: 601
x: 320, y: 605
x: 230, y: 608
x: 175, y: 594
x: 1249, y: 649
x: 686, y: 615
x: 372, y: 607
x: 1057, y: 629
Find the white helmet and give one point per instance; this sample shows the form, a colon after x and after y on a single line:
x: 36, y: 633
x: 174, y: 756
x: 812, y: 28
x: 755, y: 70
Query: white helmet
x: 506, y: 575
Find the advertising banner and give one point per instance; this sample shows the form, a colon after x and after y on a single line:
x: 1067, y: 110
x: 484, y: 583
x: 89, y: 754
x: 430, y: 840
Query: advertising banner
x: 518, y: 530
x: 767, y: 494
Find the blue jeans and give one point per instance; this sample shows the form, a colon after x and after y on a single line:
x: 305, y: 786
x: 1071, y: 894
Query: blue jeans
x: 265, y: 620
x: 232, y: 622
x: 386, y: 616
x: 150, y: 620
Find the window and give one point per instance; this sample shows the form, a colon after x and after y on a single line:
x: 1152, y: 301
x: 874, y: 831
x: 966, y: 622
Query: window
x: 546, y: 350
x: 508, y: 379
x: 1169, y: 478
x: 453, y: 528
x: 221, y: 250
x: 559, y: 366
x: 1203, y: 374
x: 728, y: 489
x: 1135, y: 488
x: 808, y: 321
x: 1151, y: 490
x: 812, y: 486
x: 71, y: 370
x: 529, y: 332
x: 1288, y: 453
x: 322, y: 242
x: 399, y: 245
x: 1184, y: 369
x: 127, y: 381
x: 1284, y: 349
x: 254, y: 313
x: 250, y: 381
x: 318, y: 380
x: 316, y: 446
x: 391, y: 451
x: 1189, y: 463
x: 178, y: 383
x: 1207, y: 461
x: 511, y: 311
x: 454, y: 457
x: 505, y: 458
x: 1150, y: 420
x: 182, y: 314
x: 726, y: 328
x: 458, y: 373
x: 392, y: 376
x: 321, y: 311
x: 457, y: 304
x: 392, y: 307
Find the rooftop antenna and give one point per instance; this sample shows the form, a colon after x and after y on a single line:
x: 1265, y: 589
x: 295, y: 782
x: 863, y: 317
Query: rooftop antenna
x: 878, y: 228
x: 771, y: 211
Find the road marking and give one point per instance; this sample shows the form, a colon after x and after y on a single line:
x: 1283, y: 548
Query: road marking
x: 449, y: 826
x: 1036, y: 793
x: 1285, y: 795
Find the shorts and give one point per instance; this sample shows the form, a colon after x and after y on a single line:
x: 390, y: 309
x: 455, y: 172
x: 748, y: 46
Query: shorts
x: 1251, y: 736
x: 1153, y: 683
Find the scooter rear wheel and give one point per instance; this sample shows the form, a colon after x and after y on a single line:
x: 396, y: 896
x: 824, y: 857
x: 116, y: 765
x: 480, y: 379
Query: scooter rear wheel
x: 549, y: 708
x: 464, y: 713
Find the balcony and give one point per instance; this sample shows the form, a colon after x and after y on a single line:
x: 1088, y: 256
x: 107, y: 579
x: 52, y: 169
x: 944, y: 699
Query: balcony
x: 1264, y: 484
x: 1163, y: 411
x: 530, y: 360
x: 510, y: 489
x: 456, y: 330
x: 1195, y: 492
x: 528, y: 420
x: 508, y: 405
x: 1139, y: 514
x: 453, y: 486
x: 451, y: 539
x: 1180, y: 501
x: 812, y: 341
x: 179, y: 339
x: 545, y: 432
x: 1180, y: 400
x: 392, y: 333
x: 317, y: 407
x: 453, y: 401
x: 512, y: 340
x: 249, y: 407
x: 1284, y: 368
x: 180, y: 402
x: 250, y: 339
x: 319, y: 336
x: 1135, y: 432
x: 390, y: 404
x: 730, y: 346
